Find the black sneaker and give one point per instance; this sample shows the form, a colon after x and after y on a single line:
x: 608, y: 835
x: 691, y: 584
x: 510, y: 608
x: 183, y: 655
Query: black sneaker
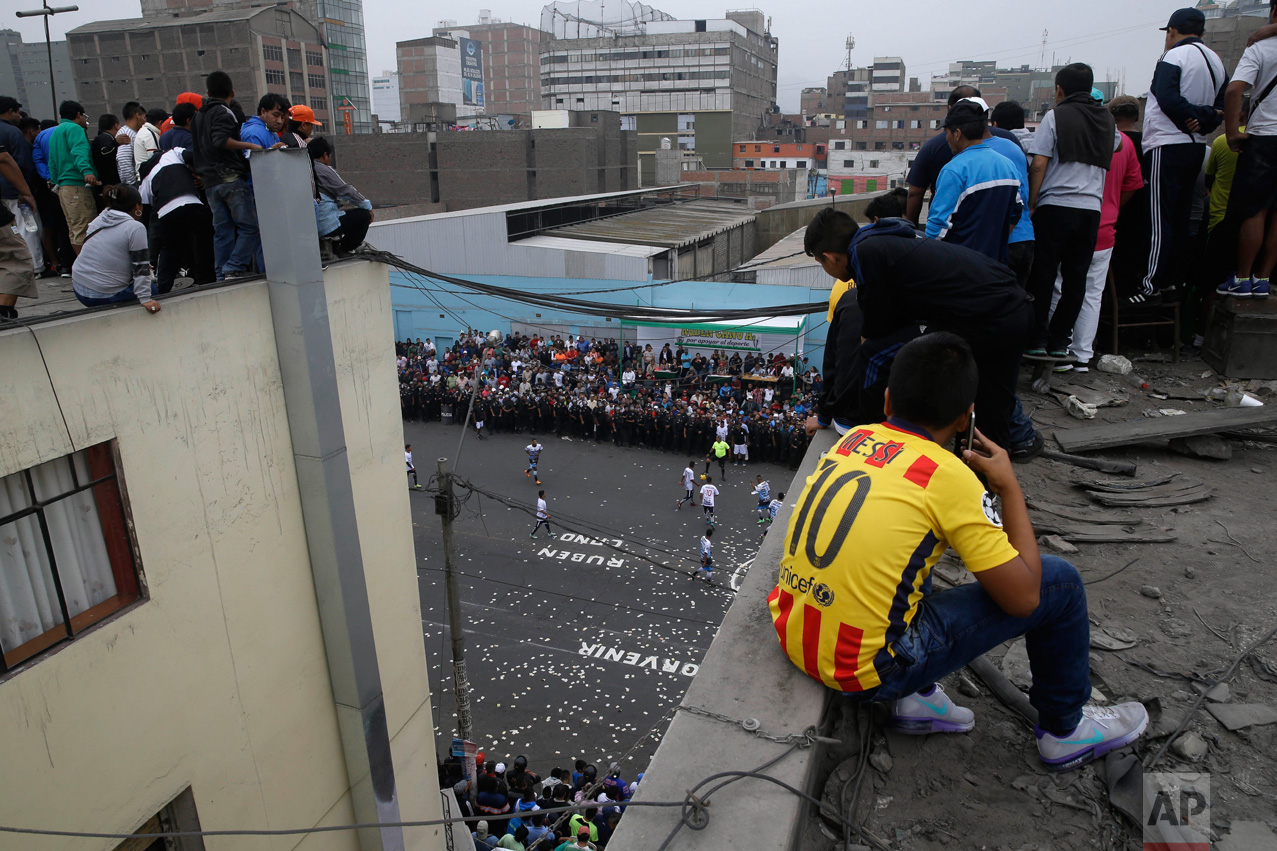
x: 1142, y: 299
x: 1022, y: 452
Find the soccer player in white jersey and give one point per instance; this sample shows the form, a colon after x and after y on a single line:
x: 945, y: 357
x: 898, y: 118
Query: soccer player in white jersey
x: 707, y: 555
x: 708, y: 494
x: 689, y: 485
x: 543, y: 517
x: 534, y: 455
x: 412, y: 470
x: 763, y: 491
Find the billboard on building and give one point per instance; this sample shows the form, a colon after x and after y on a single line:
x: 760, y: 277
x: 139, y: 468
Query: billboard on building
x: 471, y: 72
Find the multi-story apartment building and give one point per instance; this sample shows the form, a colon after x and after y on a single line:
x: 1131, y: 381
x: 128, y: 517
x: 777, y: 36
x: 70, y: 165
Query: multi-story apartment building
x: 153, y: 60
x: 511, y: 63
x: 385, y: 97
x: 341, y: 30
x: 24, y: 74
x: 430, y: 75
x: 813, y: 101
x: 698, y: 83
x: 752, y: 154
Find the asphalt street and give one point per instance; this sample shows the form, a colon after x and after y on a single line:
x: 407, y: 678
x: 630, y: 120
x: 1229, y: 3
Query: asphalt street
x: 580, y: 643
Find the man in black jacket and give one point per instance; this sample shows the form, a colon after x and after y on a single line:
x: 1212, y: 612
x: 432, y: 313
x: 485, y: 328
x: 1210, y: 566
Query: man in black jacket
x: 220, y: 163
x: 906, y: 282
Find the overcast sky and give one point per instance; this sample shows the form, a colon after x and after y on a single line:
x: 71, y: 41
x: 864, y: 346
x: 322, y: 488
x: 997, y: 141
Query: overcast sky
x: 1118, y: 38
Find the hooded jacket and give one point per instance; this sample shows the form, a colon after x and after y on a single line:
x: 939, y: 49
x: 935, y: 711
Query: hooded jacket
x: 114, y: 257
x: 170, y: 184
x: 211, y: 128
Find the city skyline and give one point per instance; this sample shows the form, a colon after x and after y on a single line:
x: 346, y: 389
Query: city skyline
x: 812, y: 47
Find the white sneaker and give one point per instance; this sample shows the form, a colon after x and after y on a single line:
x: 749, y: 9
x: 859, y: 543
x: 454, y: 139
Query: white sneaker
x: 1102, y: 729
x: 920, y: 714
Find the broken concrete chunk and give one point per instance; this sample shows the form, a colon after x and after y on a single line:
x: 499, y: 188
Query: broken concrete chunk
x: 1202, y: 446
x: 1218, y: 693
x: 1057, y: 544
x: 881, y: 761
x: 1114, y: 365
x: 1080, y: 409
x: 1190, y: 747
x: 1247, y: 836
x: 1103, y: 641
x: 1151, y: 591
x: 1236, y: 716
x: 967, y: 687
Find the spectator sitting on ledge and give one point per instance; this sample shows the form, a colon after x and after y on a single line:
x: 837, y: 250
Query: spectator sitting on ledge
x: 114, y: 265
x: 853, y: 607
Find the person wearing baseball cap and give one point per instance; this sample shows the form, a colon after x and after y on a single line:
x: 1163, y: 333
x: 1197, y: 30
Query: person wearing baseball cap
x: 1187, y: 103
x: 977, y: 199
x: 301, y: 124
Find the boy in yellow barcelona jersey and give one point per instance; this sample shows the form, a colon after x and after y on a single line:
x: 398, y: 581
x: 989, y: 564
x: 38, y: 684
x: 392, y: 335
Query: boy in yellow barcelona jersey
x: 854, y: 608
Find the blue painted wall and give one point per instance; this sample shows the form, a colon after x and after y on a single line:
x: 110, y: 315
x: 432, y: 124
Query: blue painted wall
x: 417, y: 312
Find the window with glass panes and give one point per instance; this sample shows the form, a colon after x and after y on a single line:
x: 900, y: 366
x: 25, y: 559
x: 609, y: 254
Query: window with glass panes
x: 67, y: 558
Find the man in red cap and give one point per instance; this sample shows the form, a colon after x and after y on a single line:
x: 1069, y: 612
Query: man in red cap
x: 185, y: 97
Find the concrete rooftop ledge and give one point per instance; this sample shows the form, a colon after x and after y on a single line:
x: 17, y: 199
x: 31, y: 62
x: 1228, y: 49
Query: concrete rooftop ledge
x: 744, y: 675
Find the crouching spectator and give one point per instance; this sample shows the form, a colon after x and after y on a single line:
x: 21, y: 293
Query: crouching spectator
x: 185, y: 223
x: 342, y: 213
x: 114, y: 266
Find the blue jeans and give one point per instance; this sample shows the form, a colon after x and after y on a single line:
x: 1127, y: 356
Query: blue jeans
x: 956, y: 625
x: 124, y: 295
x: 235, y: 235
x: 1022, y: 431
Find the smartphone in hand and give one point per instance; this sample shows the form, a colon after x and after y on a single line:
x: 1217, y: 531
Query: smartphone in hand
x: 968, y: 439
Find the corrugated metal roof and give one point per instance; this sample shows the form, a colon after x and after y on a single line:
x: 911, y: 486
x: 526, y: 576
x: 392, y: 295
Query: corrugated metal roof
x: 519, y: 206
x: 566, y: 244
x: 788, y: 252
x: 667, y: 225
x: 787, y: 264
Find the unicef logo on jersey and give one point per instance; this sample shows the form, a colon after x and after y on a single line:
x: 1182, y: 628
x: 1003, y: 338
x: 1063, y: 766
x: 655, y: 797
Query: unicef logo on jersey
x: 823, y: 595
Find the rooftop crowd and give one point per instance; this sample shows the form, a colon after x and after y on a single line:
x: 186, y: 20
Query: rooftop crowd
x: 629, y: 394
x: 923, y: 360
x: 156, y: 195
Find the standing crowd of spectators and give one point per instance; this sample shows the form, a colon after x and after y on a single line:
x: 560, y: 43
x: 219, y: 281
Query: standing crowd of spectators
x: 600, y: 390
x: 505, y: 805
x: 154, y: 196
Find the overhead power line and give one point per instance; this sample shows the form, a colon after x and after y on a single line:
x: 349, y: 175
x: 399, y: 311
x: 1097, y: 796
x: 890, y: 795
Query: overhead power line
x: 633, y: 313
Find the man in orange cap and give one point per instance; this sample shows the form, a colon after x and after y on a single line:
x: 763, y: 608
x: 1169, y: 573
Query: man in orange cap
x: 301, y: 123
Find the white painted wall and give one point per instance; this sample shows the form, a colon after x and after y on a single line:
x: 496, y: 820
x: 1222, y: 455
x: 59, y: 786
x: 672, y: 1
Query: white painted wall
x: 219, y: 680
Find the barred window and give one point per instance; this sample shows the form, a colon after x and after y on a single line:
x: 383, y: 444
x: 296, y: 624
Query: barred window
x: 314, y: 59
x: 275, y: 78
x: 272, y: 53
x: 316, y: 81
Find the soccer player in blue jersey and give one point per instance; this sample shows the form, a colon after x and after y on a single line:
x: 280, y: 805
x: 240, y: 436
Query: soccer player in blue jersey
x: 534, y: 454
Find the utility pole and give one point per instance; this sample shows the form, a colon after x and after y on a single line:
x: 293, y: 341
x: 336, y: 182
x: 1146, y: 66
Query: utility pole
x: 46, y: 11
x: 445, y: 507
